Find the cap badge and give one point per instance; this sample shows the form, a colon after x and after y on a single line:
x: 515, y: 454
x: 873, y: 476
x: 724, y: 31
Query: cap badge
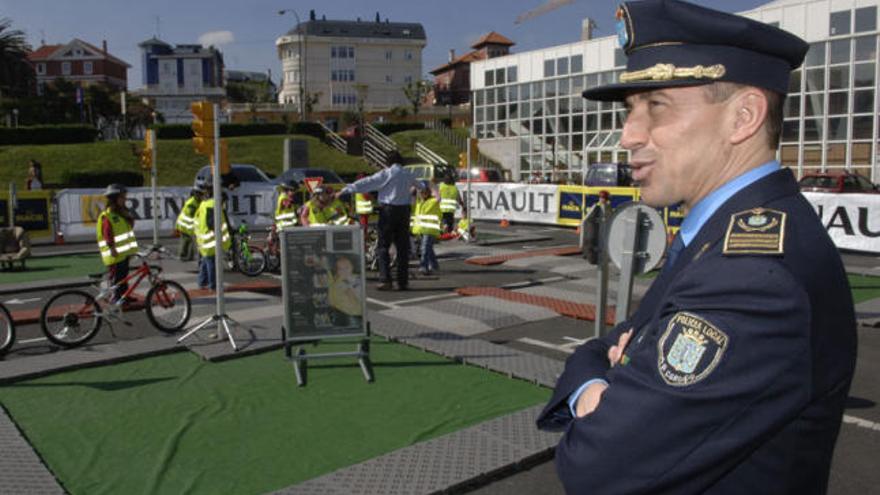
x: 668, y: 72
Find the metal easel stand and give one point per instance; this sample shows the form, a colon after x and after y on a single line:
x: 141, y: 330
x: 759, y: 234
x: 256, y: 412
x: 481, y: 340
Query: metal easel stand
x: 300, y: 358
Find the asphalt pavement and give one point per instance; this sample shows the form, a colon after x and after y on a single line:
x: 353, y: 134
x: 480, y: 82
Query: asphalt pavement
x: 551, y: 335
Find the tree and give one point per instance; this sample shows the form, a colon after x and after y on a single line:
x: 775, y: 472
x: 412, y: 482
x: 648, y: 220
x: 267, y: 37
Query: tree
x: 16, y: 73
x: 415, y: 92
x: 312, y: 99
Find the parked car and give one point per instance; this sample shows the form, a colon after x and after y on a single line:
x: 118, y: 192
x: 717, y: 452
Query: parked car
x: 837, y: 181
x: 243, y: 172
x: 481, y: 175
x: 300, y: 174
x: 430, y: 172
x: 609, y: 175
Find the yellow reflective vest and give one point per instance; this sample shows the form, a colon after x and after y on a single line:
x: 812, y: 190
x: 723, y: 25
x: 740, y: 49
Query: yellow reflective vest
x: 334, y: 214
x: 284, y: 216
x: 123, y: 238
x: 186, y: 219
x: 362, y: 205
x: 426, y: 217
x: 448, y: 198
x: 205, y: 234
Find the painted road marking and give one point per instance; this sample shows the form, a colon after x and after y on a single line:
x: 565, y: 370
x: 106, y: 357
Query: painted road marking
x: 31, y: 341
x: 382, y: 303
x: 862, y: 423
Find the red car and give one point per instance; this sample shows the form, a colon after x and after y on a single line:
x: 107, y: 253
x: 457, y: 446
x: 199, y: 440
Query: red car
x: 838, y: 181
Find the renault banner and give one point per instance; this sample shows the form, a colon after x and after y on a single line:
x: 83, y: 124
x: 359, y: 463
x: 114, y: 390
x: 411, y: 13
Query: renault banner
x: 852, y: 220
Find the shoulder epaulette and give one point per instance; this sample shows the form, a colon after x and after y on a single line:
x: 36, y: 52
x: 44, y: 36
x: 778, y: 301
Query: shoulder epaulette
x: 755, y: 231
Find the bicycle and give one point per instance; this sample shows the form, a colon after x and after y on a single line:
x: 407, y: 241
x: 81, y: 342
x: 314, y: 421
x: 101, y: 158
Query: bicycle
x: 247, y: 258
x: 7, y: 330
x: 273, y: 249
x: 72, y: 317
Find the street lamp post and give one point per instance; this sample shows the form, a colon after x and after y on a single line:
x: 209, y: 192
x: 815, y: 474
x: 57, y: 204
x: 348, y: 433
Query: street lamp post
x: 301, y: 46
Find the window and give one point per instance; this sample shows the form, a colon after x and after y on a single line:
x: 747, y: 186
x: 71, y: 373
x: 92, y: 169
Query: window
x: 863, y: 101
x: 388, y: 78
x: 87, y: 67
x: 549, y: 68
x: 387, y: 54
x: 839, y: 23
x: 333, y: 53
x: 511, y: 74
x: 351, y: 52
x: 408, y: 55
x: 839, y: 52
x: 41, y: 68
x: 408, y: 80
x: 499, y: 76
x: 490, y: 77
x: 866, y: 48
x: 866, y: 19
x: 864, y: 75
x: 815, y: 55
x: 65, y: 68
x: 577, y: 64
x: 561, y: 66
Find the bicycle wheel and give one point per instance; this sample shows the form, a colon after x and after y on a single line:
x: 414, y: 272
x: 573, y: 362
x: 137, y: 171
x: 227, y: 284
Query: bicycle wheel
x: 168, y: 306
x: 71, y: 318
x: 273, y: 260
x: 7, y: 330
x: 252, y: 262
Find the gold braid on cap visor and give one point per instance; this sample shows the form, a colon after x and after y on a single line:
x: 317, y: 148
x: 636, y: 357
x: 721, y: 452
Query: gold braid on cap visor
x: 668, y: 72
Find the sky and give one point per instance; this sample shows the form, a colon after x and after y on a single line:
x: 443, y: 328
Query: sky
x: 246, y: 30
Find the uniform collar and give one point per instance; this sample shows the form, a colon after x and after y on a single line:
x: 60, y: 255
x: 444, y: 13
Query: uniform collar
x: 703, y: 210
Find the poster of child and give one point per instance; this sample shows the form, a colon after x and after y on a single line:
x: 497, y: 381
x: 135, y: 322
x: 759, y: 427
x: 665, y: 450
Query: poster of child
x: 345, y: 288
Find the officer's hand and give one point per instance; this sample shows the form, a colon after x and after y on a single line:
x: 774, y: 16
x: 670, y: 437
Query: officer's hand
x: 615, y: 353
x: 589, y: 399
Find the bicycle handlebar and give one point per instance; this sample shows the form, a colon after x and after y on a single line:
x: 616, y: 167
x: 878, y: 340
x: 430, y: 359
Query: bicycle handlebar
x: 153, y: 248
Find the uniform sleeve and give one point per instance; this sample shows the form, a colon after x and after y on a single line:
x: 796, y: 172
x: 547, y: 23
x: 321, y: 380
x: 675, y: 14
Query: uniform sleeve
x: 589, y: 362
x: 107, y: 231
x: 725, y: 367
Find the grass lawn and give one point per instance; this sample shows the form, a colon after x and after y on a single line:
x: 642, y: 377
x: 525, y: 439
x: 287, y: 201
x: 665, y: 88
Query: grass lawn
x: 176, y: 160
x: 177, y: 424
x: 432, y: 139
x: 54, y: 267
x: 864, y: 287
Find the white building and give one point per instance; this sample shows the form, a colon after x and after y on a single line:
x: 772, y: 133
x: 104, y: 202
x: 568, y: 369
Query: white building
x: 529, y: 113
x: 174, y: 77
x: 346, y: 60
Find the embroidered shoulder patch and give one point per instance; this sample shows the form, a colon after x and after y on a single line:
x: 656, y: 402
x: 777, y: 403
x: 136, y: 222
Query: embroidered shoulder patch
x: 689, y: 349
x: 756, y: 231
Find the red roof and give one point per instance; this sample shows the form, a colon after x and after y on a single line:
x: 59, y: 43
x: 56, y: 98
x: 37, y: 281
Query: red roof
x: 464, y: 59
x: 492, y: 38
x: 42, y: 52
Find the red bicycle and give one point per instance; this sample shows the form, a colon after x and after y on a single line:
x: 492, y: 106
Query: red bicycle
x: 72, y: 317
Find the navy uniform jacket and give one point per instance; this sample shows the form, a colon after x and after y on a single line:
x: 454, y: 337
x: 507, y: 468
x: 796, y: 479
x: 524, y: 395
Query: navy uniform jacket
x: 736, y: 375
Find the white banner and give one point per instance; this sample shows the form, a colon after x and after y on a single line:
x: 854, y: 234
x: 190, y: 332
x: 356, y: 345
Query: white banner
x: 533, y: 203
x: 78, y: 209
x: 852, y: 220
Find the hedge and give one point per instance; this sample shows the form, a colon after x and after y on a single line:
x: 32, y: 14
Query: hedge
x: 48, y: 134
x: 184, y: 131
x: 389, y: 128
x: 93, y: 179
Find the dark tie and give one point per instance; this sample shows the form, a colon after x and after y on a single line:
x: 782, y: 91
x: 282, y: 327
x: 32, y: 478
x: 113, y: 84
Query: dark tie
x: 674, y: 250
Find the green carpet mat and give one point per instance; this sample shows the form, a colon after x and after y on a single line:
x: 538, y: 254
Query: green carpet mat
x: 864, y: 287
x: 53, y: 268
x: 176, y: 424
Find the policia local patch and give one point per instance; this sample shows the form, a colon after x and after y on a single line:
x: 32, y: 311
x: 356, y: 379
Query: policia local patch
x: 689, y: 349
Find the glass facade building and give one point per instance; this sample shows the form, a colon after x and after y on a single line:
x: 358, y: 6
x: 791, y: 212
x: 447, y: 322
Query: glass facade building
x: 528, y: 109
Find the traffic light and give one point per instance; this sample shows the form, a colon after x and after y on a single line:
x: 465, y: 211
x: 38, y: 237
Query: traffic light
x: 462, y: 160
x: 224, y: 158
x: 203, y: 127
x: 147, y: 152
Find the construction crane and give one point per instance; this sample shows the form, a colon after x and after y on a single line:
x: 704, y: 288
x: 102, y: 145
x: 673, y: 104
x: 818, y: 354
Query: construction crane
x: 542, y: 9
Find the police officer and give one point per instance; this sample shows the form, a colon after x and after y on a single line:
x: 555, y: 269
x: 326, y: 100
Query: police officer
x: 394, y: 186
x: 733, y: 374
x: 186, y: 221
x: 116, y: 239
x: 204, y: 230
x: 285, y: 208
x: 449, y: 201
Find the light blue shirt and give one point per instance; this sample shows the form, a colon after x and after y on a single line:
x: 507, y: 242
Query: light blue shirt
x: 393, y: 184
x: 691, y: 225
